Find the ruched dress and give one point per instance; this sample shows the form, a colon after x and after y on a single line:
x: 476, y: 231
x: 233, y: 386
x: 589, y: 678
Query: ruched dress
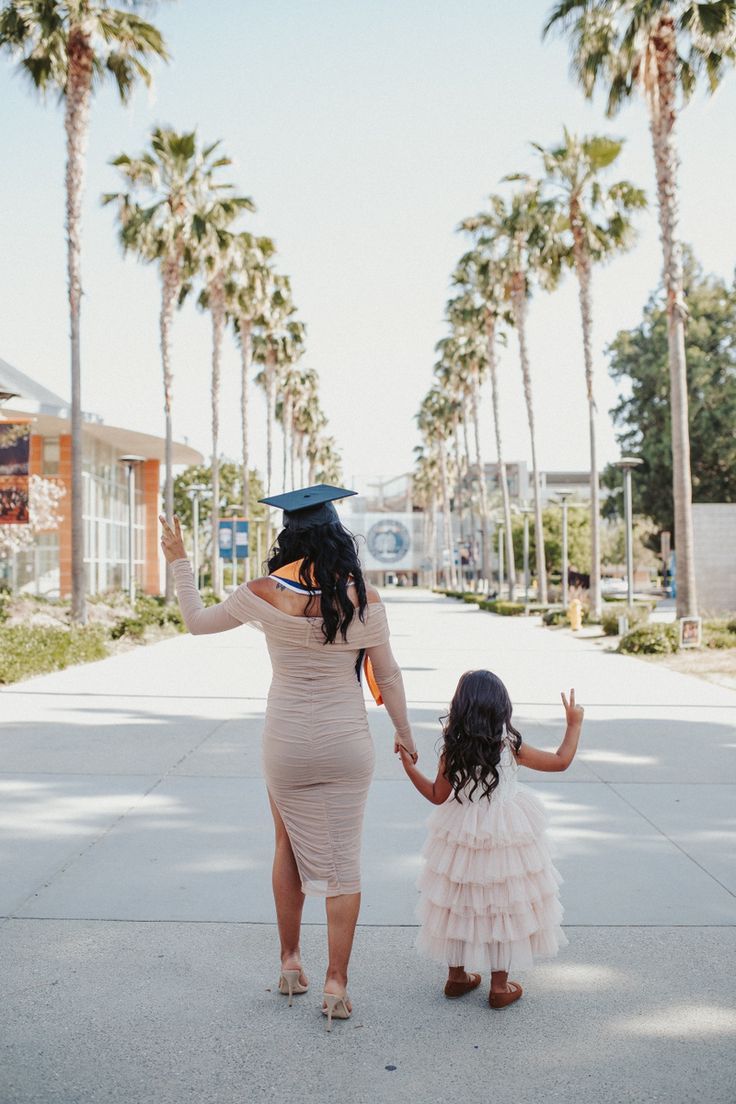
x: 489, y: 890
x: 317, y: 750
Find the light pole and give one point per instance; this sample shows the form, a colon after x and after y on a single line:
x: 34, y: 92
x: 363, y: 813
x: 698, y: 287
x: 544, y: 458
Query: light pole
x: 501, y: 571
x: 131, y: 463
x: 627, y: 465
x: 526, y: 512
x: 195, y: 491
x: 562, y: 497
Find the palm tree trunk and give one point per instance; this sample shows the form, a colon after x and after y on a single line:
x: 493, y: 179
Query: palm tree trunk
x: 469, y: 484
x: 662, y: 101
x: 78, y: 98
x: 286, y: 426
x: 582, y: 270
x: 270, y: 419
x: 503, y: 481
x: 482, y: 488
x: 245, y: 327
x: 217, y: 307
x: 518, y: 306
x: 458, y: 495
x: 449, y: 572
x: 169, y: 290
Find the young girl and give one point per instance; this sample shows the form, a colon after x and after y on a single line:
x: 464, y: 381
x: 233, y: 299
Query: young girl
x: 489, y: 896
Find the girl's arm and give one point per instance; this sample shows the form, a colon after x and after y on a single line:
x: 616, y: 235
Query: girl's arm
x: 438, y: 791
x: 197, y: 618
x: 560, y: 760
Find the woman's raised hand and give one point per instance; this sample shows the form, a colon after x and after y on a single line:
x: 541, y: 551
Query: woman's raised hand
x: 172, y: 542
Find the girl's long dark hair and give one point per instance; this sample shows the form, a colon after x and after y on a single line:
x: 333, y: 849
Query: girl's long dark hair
x: 473, y: 732
x: 329, y: 555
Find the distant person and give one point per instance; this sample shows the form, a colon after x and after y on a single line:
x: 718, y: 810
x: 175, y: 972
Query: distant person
x: 489, y: 897
x: 321, y: 622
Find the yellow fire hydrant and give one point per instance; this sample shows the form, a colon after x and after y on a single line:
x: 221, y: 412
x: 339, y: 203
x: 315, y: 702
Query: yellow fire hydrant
x: 575, y: 614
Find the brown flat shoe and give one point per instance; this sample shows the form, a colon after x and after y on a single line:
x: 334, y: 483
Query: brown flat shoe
x: 503, y: 1000
x: 455, y: 989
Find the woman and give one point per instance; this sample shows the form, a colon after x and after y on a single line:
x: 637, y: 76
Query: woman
x: 321, y: 624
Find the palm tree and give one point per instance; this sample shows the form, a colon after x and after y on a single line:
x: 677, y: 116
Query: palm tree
x: 216, y: 252
x: 481, y: 279
x: 327, y: 461
x: 425, y: 489
x: 522, y: 235
x: 305, y: 417
x: 245, y: 296
x: 659, y: 48
x: 70, y: 47
x: 171, y: 178
x: 597, y: 217
x: 435, y: 420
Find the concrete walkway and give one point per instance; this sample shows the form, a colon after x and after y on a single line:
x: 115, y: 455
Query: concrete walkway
x: 138, y: 948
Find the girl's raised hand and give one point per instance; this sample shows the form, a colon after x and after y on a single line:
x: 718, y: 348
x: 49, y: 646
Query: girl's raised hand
x: 573, y: 712
x: 172, y: 541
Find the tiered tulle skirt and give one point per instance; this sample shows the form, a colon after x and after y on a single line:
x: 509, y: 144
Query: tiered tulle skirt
x: 489, y: 890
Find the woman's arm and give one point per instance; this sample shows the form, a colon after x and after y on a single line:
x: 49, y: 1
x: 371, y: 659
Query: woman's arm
x: 391, y: 685
x: 197, y: 618
x: 438, y: 791
x: 561, y: 759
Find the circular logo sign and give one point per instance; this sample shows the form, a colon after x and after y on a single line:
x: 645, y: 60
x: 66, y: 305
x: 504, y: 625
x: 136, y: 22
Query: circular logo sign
x: 388, y: 541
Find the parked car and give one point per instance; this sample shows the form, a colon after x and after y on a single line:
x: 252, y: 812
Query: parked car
x: 613, y: 585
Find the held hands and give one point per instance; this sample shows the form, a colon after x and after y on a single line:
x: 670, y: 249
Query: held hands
x: 574, y: 713
x: 403, y: 752
x: 172, y: 542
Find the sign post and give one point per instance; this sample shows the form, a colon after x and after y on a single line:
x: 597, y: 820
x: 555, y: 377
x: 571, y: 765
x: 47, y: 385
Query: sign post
x: 233, y: 542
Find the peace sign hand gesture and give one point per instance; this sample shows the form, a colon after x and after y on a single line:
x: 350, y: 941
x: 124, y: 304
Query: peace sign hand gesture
x: 172, y: 542
x: 573, y: 712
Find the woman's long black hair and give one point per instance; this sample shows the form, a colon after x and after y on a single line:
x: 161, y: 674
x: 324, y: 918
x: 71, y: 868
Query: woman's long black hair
x: 473, y: 731
x: 329, y: 555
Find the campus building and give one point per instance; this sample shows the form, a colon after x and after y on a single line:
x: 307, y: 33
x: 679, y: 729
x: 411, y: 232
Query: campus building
x: 44, y: 567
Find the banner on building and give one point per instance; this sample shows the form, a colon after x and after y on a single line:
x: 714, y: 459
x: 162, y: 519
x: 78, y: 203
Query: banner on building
x: 15, y: 448
x: 392, y: 542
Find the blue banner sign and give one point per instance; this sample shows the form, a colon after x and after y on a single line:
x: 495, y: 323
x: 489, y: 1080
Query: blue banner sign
x: 237, y: 529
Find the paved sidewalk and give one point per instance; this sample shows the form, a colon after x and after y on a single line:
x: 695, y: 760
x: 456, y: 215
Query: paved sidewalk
x: 138, y: 949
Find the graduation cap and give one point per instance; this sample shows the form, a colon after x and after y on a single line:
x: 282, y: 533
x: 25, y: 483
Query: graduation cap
x: 309, y: 506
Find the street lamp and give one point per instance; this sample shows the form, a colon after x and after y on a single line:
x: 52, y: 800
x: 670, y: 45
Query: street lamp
x: 195, y: 491
x: 501, y: 570
x: 562, y: 497
x: 526, y: 511
x: 627, y: 464
x: 131, y: 463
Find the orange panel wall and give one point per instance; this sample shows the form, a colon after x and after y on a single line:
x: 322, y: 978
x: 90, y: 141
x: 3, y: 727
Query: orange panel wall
x: 151, y: 478
x: 65, y: 525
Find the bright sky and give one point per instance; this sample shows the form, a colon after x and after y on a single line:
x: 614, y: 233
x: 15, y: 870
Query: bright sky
x: 364, y: 132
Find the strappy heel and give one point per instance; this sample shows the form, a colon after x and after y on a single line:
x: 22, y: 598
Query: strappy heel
x: 289, y: 984
x: 336, y: 1008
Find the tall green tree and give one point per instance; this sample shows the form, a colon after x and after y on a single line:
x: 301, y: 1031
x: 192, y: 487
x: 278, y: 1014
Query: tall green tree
x: 639, y: 365
x: 71, y: 47
x: 166, y: 187
x: 597, y: 217
x: 658, y: 48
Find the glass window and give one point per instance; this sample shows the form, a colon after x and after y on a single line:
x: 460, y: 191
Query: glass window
x: 50, y: 456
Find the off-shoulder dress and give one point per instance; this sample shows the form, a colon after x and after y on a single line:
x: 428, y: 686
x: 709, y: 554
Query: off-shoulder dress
x: 317, y: 750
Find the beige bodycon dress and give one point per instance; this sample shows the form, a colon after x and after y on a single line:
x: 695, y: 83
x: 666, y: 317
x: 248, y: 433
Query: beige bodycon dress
x: 317, y: 747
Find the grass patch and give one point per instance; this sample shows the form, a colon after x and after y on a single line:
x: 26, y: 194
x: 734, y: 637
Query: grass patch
x: 27, y: 650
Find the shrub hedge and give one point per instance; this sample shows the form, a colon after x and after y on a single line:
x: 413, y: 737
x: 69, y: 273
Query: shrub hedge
x: 637, y: 615
x: 27, y: 650
x: 654, y: 639
x: 503, y: 608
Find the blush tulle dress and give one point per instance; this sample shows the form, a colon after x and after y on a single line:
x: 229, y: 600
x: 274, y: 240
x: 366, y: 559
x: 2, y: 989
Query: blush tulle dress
x: 489, y: 895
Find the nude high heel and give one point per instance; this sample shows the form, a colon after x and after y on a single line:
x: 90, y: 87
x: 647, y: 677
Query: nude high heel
x: 336, y: 1008
x: 289, y: 983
